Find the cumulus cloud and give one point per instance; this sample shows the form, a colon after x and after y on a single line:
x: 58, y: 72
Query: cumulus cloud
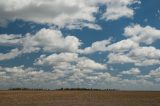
x: 64, y: 13
x: 62, y: 53
x: 47, y: 40
x: 98, y: 46
x: 77, y: 69
x: 59, y: 12
x: 9, y: 40
x: 10, y: 55
x: 61, y: 61
x: 71, y: 60
x: 145, y: 55
x: 132, y: 71
x: 85, y: 63
x: 146, y: 52
x: 140, y: 84
x: 52, y: 40
x: 81, y: 25
x: 131, y: 50
x: 146, y: 35
x: 119, y: 8
x: 119, y: 58
x: 155, y: 73
x: 57, y: 58
x: 139, y: 56
x: 19, y: 76
x: 122, y: 46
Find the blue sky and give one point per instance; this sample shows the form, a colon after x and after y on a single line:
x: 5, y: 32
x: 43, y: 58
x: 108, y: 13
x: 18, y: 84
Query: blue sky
x: 69, y: 43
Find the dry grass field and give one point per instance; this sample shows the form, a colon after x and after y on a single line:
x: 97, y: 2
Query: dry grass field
x: 78, y: 98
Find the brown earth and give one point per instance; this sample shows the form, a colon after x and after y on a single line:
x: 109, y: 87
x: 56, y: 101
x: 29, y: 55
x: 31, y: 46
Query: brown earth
x: 79, y: 98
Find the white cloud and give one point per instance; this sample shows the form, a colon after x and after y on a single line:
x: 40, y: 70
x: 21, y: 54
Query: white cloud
x: 52, y: 40
x: 9, y: 40
x: 58, y: 12
x: 69, y: 61
x: 145, y: 56
x: 98, y: 46
x: 10, y: 55
x: 122, y: 46
x: 81, y: 25
x: 145, y: 52
x: 132, y: 71
x: 147, y: 62
x: 140, y: 84
x: 30, y: 77
x: 146, y: 35
x: 76, y: 69
x: 64, y: 13
x: 131, y: 51
x: 119, y: 8
x: 48, y: 40
x: 85, y: 63
x: 155, y: 73
x: 21, y: 76
x: 119, y: 58
x: 65, y: 62
x: 60, y: 61
x: 140, y: 56
x: 62, y: 57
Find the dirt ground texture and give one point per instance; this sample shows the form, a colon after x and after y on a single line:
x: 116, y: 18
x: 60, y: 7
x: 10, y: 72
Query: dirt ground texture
x: 79, y: 98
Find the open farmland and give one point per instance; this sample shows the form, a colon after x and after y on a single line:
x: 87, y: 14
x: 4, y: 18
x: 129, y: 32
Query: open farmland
x: 79, y: 98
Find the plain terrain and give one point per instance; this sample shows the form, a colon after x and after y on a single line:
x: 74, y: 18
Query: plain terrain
x: 79, y: 98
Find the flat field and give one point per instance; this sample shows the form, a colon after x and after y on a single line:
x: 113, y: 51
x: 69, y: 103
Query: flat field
x: 79, y: 98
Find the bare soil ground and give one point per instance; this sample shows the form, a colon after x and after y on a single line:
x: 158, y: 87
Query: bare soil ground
x: 79, y: 98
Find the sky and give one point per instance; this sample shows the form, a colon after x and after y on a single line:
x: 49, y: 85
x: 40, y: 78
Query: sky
x: 101, y: 44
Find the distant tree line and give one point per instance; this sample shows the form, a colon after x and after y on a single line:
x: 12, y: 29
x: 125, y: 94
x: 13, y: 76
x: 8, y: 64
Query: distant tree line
x: 64, y: 89
x: 35, y: 89
x: 87, y: 89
